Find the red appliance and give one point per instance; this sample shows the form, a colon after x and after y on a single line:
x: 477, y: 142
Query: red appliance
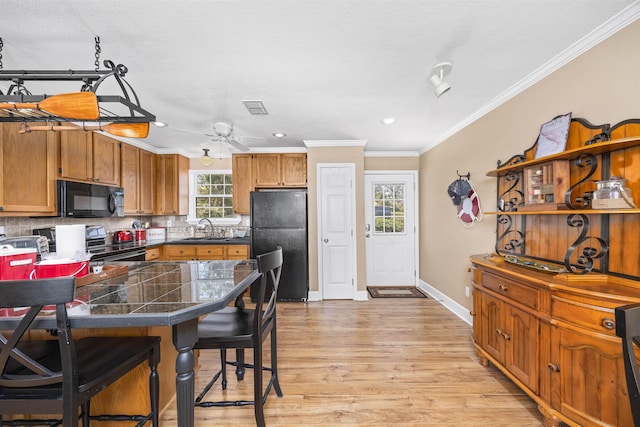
x: 60, y: 268
x: 123, y: 236
x: 16, y: 264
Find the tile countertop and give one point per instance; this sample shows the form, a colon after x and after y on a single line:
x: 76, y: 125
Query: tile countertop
x: 183, y: 241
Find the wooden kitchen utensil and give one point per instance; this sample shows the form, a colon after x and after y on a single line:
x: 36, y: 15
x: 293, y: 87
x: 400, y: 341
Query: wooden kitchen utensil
x: 74, y: 105
x: 130, y: 130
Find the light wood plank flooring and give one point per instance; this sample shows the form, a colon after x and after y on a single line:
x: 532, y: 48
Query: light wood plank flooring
x: 382, y: 362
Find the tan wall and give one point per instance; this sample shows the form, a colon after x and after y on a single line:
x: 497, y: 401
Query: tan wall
x: 391, y: 163
x: 602, y: 86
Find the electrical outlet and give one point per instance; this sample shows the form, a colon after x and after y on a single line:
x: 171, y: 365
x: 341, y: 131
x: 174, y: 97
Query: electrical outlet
x: 169, y: 223
x: 467, y: 291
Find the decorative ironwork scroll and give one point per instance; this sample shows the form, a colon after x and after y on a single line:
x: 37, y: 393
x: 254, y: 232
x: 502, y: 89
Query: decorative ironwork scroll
x: 510, y: 240
x: 584, y: 200
x: 585, y: 254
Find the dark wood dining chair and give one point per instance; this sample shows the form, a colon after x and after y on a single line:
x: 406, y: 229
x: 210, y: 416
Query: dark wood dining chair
x: 244, y: 328
x: 628, y: 328
x: 61, y: 375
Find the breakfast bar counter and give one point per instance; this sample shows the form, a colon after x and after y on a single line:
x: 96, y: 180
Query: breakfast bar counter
x: 150, y: 296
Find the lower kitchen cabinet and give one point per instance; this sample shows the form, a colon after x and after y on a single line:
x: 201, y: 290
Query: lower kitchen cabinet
x: 27, y: 182
x: 554, y: 336
x: 204, y: 252
x: 153, y: 254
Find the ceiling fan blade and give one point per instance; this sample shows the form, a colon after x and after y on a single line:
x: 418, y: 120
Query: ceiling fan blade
x: 193, y: 131
x: 250, y: 137
x: 237, y: 145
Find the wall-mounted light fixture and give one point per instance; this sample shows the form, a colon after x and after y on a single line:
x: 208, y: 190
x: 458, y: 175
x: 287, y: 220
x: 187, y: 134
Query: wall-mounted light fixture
x: 437, y: 78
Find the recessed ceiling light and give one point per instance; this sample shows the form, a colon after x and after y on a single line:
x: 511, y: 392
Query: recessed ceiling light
x: 279, y: 134
x: 389, y: 120
x: 160, y: 124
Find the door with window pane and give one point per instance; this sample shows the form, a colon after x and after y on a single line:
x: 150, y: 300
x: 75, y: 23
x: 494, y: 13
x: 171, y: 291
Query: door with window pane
x: 390, y: 229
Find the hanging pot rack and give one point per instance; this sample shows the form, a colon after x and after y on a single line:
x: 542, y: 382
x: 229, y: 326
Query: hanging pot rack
x: 123, y: 108
x: 120, y: 108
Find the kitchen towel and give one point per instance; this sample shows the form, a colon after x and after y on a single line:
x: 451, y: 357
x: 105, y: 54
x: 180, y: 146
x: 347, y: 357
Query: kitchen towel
x: 69, y: 240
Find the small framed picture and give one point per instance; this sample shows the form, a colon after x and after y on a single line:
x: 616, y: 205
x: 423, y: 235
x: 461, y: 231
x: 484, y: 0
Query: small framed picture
x: 553, y: 136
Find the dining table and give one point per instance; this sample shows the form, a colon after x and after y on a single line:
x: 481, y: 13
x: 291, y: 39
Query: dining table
x: 156, y: 293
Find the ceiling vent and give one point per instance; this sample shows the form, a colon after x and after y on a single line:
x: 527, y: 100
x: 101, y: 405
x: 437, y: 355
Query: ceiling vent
x: 255, y: 107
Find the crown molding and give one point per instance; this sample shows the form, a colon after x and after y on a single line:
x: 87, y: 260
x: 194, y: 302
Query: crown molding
x: 391, y: 154
x: 334, y: 142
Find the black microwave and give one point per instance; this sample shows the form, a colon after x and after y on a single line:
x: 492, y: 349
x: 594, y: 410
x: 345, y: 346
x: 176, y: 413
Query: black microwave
x: 81, y: 200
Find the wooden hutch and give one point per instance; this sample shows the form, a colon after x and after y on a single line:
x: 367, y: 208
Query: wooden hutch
x: 544, y: 302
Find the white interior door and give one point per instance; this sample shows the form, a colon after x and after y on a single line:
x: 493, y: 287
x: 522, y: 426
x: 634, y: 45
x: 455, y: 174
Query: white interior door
x: 337, y: 222
x: 391, y: 234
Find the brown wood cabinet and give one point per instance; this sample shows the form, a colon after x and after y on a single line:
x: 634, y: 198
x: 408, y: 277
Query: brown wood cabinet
x: 89, y: 157
x: 280, y: 170
x: 243, y: 182
x: 27, y: 174
x: 172, y: 185
x: 153, y: 254
x: 272, y: 170
x: 138, y: 171
x: 204, y: 252
x: 564, y: 354
x: 509, y: 333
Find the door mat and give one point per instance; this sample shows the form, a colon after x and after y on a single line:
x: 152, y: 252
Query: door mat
x: 395, y: 292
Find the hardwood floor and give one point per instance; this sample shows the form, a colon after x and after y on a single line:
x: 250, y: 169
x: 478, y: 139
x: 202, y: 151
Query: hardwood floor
x: 381, y: 362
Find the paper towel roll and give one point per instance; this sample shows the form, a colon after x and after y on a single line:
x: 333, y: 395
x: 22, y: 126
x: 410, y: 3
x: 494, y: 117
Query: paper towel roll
x: 69, y: 240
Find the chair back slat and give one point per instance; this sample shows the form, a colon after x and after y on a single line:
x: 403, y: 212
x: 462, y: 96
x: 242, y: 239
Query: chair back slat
x: 270, y: 266
x: 18, y: 367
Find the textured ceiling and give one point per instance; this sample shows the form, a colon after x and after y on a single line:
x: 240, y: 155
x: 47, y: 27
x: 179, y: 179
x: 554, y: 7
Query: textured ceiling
x: 325, y: 70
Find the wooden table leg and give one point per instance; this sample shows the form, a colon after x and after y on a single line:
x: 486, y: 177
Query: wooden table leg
x: 185, y: 336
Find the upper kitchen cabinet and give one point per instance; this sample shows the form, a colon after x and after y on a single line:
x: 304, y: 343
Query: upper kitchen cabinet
x: 243, y: 185
x: 172, y: 183
x: 28, y: 174
x: 253, y: 171
x: 280, y: 170
x: 138, y: 172
x: 89, y: 157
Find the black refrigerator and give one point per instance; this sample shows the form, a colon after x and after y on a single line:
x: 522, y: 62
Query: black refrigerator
x: 279, y: 218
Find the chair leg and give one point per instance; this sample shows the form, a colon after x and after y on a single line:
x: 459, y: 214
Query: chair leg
x: 86, y: 413
x: 154, y: 396
x: 274, y: 362
x: 223, y: 360
x: 258, y: 401
x: 240, y: 369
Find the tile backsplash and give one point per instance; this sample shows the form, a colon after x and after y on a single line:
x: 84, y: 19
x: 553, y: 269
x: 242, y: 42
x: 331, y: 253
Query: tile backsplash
x: 23, y: 226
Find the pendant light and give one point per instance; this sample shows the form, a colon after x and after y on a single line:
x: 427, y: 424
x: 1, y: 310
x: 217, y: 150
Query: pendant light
x: 205, y: 159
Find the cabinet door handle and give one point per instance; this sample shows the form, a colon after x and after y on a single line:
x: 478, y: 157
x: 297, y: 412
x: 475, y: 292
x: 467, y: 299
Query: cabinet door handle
x: 503, y: 288
x: 472, y: 313
x: 506, y: 336
x: 499, y: 331
x: 553, y: 367
x: 608, y: 323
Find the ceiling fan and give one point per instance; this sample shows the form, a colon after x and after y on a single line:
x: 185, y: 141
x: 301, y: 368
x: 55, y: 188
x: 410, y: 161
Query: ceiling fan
x: 223, y: 132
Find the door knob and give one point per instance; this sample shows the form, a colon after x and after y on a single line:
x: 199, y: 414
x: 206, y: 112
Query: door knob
x: 367, y: 235
x: 326, y: 240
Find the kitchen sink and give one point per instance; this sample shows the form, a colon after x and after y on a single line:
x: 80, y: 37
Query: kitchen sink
x: 202, y: 240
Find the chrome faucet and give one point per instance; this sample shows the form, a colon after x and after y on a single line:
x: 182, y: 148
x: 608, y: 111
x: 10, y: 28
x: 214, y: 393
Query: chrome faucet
x: 201, y: 226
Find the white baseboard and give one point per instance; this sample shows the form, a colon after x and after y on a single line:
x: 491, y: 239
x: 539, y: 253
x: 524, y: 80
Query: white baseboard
x: 314, y: 296
x: 450, y: 304
x: 359, y: 296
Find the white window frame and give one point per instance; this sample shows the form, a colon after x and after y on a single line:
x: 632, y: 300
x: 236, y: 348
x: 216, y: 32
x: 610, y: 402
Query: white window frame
x: 191, y: 217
